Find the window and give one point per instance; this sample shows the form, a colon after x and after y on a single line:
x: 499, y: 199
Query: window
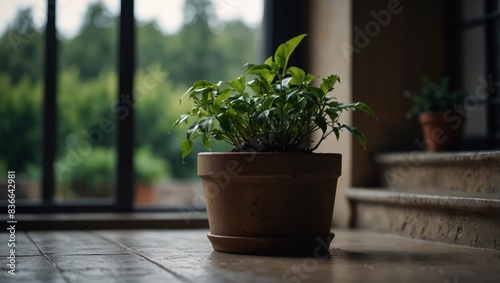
x: 479, y: 38
x: 22, y: 35
x: 85, y: 154
x: 178, y: 43
x: 96, y: 88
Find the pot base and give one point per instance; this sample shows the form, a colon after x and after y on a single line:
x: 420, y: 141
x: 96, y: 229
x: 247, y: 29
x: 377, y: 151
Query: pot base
x: 316, y: 246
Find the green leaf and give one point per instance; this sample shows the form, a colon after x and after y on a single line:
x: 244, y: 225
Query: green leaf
x: 321, y: 122
x: 361, y: 106
x: 189, y: 91
x: 336, y: 132
x: 329, y: 82
x: 310, y: 96
x: 301, y: 103
x: 202, y: 84
x: 269, y: 61
x: 186, y: 148
x: 192, y: 130
x: 220, y: 98
x: 182, y: 119
x: 268, y: 76
x: 333, y: 114
x: 206, y: 141
x: 262, y: 117
x: 334, y: 104
x: 309, y: 78
x: 285, y: 82
x: 317, y: 94
x: 282, y: 54
x: 257, y: 69
x: 259, y: 86
x: 357, y: 134
x: 205, y: 125
x: 279, y: 101
x: 241, y: 107
x: 198, y: 86
x: 206, y: 94
x: 298, y: 75
x: 264, y: 71
x: 275, y: 67
x: 232, y: 113
x: 268, y: 102
x: 238, y: 84
x: 292, y: 97
x: 224, y: 122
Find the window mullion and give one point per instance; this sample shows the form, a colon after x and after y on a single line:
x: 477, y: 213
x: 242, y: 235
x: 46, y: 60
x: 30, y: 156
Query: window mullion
x: 124, y: 180
x: 49, y: 136
x: 491, y: 43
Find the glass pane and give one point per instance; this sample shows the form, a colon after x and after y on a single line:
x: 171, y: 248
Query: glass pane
x: 87, y: 90
x: 473, y: 71
x: 472, y: 9
x: 21, y: 96
x: 178, y: 43
x: 497, y: 84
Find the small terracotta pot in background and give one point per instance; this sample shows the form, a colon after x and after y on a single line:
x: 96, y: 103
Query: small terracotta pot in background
x: 442, y: 130
x: 269, y: 203
x: 145, y: 194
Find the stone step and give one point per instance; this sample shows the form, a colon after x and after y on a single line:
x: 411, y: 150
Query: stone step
x: 475, y: 174
x: 465, y: 221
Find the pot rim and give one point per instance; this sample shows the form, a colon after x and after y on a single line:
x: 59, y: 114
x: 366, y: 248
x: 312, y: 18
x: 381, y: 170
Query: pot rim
x: 266, y: 153
x: 240, y: 164
x: 430, y: 117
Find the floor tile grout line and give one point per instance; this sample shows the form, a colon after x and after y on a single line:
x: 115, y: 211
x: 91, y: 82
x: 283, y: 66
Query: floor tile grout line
x: 88, y: 254
x: 143, y: 256
x: 46, y: 257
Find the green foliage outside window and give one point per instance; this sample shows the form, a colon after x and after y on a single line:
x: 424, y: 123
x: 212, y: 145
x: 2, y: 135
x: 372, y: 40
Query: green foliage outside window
x: 87, y: 91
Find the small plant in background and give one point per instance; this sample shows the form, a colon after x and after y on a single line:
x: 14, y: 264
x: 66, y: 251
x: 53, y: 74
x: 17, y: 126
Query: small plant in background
x: 433, y: 97
x: 92, y: 177
x: 434, y: 104
x: 148, y: 168
x: 94, y: 174
x: 273, y: 107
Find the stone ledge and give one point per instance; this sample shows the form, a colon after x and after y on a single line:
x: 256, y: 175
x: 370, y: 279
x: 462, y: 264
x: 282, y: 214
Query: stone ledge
x: 465, y: 221
x: 479, y: 205
x: 436, y: 157
x: 475, y: 174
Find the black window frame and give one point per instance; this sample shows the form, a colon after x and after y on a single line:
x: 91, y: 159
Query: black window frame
x: 490, y: 20
x: 123, y: 198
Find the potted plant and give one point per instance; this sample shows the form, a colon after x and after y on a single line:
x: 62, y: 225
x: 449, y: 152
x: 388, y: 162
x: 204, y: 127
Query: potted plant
x: 148, y: 170
x: 92, y: 177
x: 434, y: 105
x: 271, y: 194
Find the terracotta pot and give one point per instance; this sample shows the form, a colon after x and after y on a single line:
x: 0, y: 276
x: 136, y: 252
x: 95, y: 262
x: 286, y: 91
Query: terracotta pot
x: 269, y: 203
x: 442, y: 131
x: 145, y: 194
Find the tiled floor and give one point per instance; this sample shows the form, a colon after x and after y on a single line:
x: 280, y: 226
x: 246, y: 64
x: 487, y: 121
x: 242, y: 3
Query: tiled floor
x: 186, y: 256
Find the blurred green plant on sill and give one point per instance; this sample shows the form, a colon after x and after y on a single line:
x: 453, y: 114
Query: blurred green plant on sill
x: 94, y: 175
x: 433, y: 97
x: 148, y: 168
